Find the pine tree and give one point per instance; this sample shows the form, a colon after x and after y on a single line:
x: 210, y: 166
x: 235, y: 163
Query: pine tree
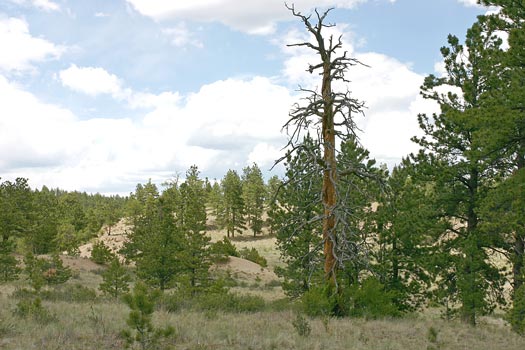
x: 506, y: 103
x: 158, y: 261
x: 155, y: 241
x: 406, y: 226
x: 191, y: 221
x: 231, y: 216
x: 142, y: 331
x: 459, y: 169
x: 253, y: 193
x: 40, y: 239
x: 15, y: 205
x: 215, y: 199
x: 9, y: 268
x: 272, y: 204
x: 298, y: 231
x: 115, y: 279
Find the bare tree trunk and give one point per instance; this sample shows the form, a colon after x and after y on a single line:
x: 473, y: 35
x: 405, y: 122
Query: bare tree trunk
x: 331, y: 109
x: 329, y: 176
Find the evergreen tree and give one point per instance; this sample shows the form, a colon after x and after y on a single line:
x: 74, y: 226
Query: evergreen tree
x: 155, y: 241
x: 67, y: 239
x: 142, y: 304
x: 41, y: 238
x: 15, y: 205
x: 506, y: 102
x: 231, y: 216
x: 406, y: 224
x: 360, y: 185
x: 461, y: 172
x: 297, y: 230
x: 71, y: 211
x: 9, y: 268
x: 158, y: 262
x: 272, y: 204
x: 191, y: 221
x: 215, y: 199
x: 115, y: 279
x: 253, y: 194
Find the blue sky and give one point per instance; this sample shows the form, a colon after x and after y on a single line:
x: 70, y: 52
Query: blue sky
x: 100, y: 95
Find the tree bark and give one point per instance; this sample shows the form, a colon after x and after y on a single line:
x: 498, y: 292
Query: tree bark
x: 330, y: 174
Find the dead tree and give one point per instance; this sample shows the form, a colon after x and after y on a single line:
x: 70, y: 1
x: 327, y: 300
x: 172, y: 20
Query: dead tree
x: 330, y: 115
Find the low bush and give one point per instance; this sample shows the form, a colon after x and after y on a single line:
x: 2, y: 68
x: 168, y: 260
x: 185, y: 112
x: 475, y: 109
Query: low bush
x: 318, y: 302
x: 141, y: 331
x: 33, y: 309
x: 229, y: 302
x: 371, y: 300
x: 73, y: 293
x: 101, y: 254
x: 222, y: 250
x: 46, y: 271
x: 253, y: 256
x: 301, y: 325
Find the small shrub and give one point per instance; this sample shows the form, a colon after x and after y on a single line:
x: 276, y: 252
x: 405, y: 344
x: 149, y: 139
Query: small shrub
x: 318, y: 302
x: 432, y: 335
x: 281, y: 304
x: 23, y: 293
x: 222, y: 250
x: 9, y: 269
x: 370, y: 300
x: 273, y: 284
x: 229, y: 302
x: 249, y: 303
x: 301, y: 325
x: 46, y: 271
x: 73, y: 293
x: 253, y: 256
x: 116, y: 280
x: 101, y: 254
x: 33, y: 308
x: 141, y: 330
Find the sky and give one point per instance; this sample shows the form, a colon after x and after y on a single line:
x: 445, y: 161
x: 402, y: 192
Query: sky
x: 100, y: 95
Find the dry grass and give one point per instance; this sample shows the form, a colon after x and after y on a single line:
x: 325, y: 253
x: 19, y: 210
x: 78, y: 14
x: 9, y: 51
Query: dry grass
x: 96, y: 325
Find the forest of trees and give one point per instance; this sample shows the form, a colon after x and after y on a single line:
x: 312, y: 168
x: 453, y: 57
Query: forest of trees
x: 445, y: 227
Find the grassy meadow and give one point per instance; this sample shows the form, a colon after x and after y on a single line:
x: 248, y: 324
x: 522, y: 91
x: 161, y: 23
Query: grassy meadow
x: 77, y: 316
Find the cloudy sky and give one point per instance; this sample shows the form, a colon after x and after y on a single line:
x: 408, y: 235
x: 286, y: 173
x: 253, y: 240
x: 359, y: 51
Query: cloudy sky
x: 100, y: 95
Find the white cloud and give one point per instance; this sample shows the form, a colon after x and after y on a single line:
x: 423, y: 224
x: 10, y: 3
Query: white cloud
x: 254, y: 16
x: 181, y: 36
x: 20, y: 50
x: 45, y: 5
x: 470, y: 3
x: 227, y: 124
x: 92, y: 81
x: 389, y: 89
